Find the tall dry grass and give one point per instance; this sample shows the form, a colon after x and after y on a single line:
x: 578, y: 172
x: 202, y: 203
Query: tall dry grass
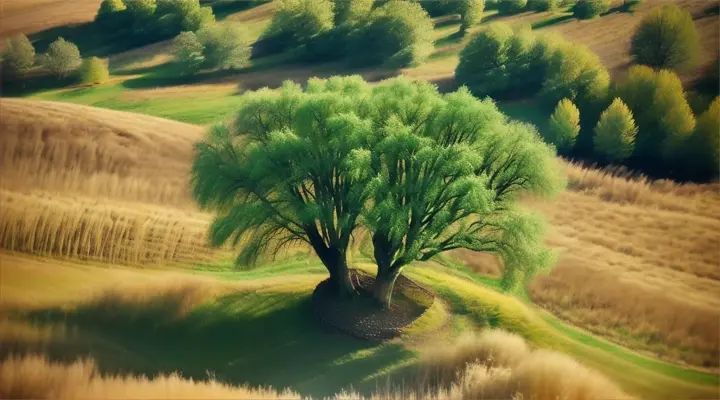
x: 100, y: 230
x: 490, y: 365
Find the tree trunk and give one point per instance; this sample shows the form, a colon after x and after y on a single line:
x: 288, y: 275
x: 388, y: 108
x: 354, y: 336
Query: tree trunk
x: 384, y: 284
x: 340, y: 278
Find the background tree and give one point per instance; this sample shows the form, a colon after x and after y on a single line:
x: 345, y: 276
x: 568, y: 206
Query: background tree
x: 507, y: 7
x: 615, y: 132
x: 543, y: 5
x: 94, y: 71
x: 564, y: 126
x: 225, y: 45
x: 110, y: 14
x: 351, y: 11
x: 445, y: 173
x: 471, y: 12
x: 676, y: 120
x: 18, y: 56
x: 61, y: 58
x: 175, y: 16
x: 188, y: 52
x: 140, y: 18
x: 399, y: 34
x: 498, y: 61
x: 282, y: 173
x: 702, y: 158
x: 586, y: 9
x: 298, y: 22
x: 667, y: 38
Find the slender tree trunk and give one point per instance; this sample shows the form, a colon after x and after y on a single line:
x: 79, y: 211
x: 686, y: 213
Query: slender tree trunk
x: 341, y: 279
x: 335, y: 262
x: 384, y: 287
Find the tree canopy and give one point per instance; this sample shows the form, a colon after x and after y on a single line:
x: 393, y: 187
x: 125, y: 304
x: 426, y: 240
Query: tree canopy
x: 564, y: 126
x: 18, y: 56
x: 61, y: 58
x: 94, y: 71
x: 667, y: 38
x: 298, y: 22
x: 586, y: 9
x: 423, y: 172
x: 615, y: 133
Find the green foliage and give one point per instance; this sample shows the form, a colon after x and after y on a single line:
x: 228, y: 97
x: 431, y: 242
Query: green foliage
x: 575, y: 73
x: 109, y: 14
x: 615, y: 133
x: 175, y: 16
x: 225, y: 45
x: 471, y: 12
x: 703, y: 147
x: 18, y: 56
x: 298, y: 22
x: 698, y: 102
x: 564, y: 126
x: 399, y: 34
x: 507, y: 7
x: 141, y: 9
x: 188, y: 52
x: 499, y: 60
x: 664, y: 117
x: 667, y: 38
x: 351, y: 11
x: 94, y: 71
x: 586, y: 9
x: 61, y: 58
x: 543, y: 5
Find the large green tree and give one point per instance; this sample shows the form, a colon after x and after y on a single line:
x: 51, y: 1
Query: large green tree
x: 667, y: 38
x: 615, y: 133
x: 282, y: 173
x: 446, y: 171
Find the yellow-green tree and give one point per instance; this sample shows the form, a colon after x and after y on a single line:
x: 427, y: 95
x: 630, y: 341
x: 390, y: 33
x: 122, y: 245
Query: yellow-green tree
x: 564, y: 126
x: 701, y: 154
x: 94, y: 71
x: 667, y: 38
x: 615, y: 133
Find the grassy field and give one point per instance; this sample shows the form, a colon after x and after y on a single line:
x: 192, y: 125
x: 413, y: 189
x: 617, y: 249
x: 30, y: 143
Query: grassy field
x: 101, y: 191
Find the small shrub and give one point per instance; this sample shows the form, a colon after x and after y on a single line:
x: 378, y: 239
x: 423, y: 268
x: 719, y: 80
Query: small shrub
x: 18, y: 56
x: 225, y: 45
x: 188, y: 52
x: 564, y: 126
x: 61, y: 58
x: 615, y: 133
x: 667, y: 38
x: 586, y: 9
x: 94, y: 71
x: 398, y: 34
x: 507, y: 7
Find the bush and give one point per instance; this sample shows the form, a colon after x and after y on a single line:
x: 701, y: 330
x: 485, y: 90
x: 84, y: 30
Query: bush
x: 188, y: 52
x: 507, y: 7
x: 18, y: 56
x: 667, y: 38
x: 225, y: 45
x: 351, y: 11
x: 701, y: 153
x: 61, y: 58
x: 498, y: 61
x: 615, y: 133
x: 110, y: 13
x: 94, y: 71
x: 471, y: 12
x: 576, y: 73
x: 298, y: 22
x: 175, y: 16
x: 586, y: 9
x: 543, y: 5
x: 398, y: 34
x: 564, y: 126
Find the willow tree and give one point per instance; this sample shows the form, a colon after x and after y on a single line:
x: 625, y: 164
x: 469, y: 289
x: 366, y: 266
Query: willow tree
x: 282, y: 173
x: 446, y: 171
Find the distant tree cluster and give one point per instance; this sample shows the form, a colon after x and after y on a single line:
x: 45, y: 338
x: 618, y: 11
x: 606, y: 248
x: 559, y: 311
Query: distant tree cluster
x: 396, y: 34
x: 215, y: 46
x: 421, y: 172
x: 470, y: 11
x: 151, y: 20
x: 586, y: 9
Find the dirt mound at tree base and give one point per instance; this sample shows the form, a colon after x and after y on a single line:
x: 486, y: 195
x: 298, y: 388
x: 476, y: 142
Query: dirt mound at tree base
x: 360, y: 317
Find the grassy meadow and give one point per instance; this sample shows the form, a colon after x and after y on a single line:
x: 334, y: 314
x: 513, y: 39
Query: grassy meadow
x: 108, y: 285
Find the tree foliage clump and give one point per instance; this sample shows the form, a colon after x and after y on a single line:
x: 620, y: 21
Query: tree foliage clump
x: 507, y: 7
x: 219, y: 45
x: 500, y: 61
x: 398, y: 34
x: 111, y: 14
x: 174, y: 16
x: 667, y: 38
x: 62, y: 58
x: 544, y: 5
x: 471, y: 12
x: 422, y: 172
x: 564, y: 126
x: 702, y: 152
x: 615, y: 133
x: 351, y: 11
x: 94, y: 71
x: 586, y: 9
x: 18, y: 56
x: 298, y: 22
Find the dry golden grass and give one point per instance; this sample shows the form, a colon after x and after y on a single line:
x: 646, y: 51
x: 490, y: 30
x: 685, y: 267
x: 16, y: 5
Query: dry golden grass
x: 30, y: 16
x: 497, y: 365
